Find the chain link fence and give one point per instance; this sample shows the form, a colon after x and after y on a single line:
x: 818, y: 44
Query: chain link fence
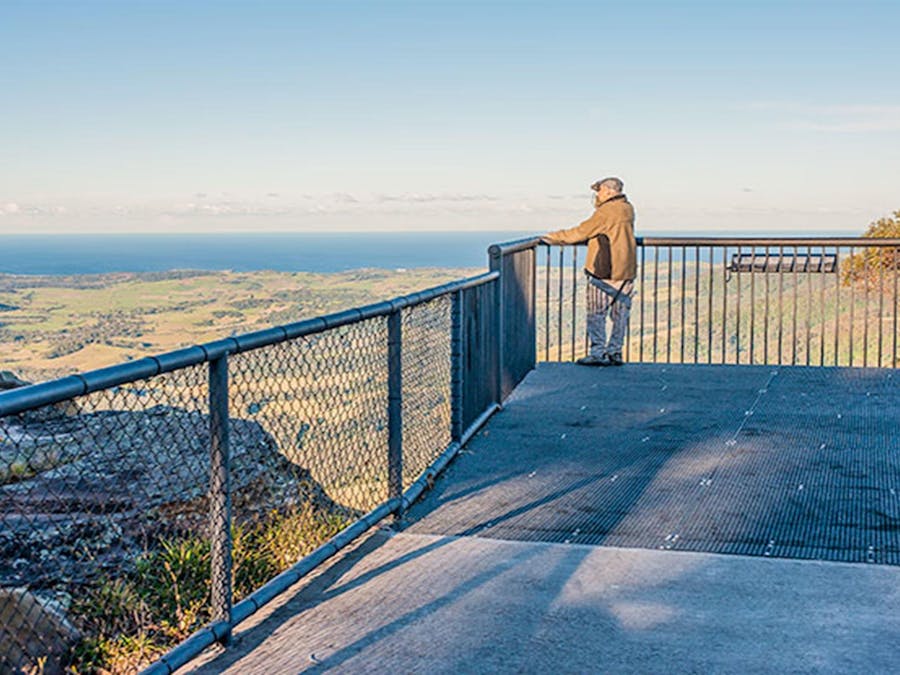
x: 104, y: 524
x: 426, y: 364
x: 156, y: 504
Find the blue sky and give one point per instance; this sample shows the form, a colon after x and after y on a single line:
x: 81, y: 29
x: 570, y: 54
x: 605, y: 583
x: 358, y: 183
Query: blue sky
x: 135, y: 116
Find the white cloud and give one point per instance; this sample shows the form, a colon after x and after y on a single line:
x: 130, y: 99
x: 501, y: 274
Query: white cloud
x: 428, y: 197
x: 17, y: 209
x: 219, y: 208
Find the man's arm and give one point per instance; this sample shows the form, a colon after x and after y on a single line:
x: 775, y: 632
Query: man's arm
x: 578, y: 234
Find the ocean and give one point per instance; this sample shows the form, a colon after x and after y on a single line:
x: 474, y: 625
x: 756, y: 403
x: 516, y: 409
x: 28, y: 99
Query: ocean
x: 307, y: 252
x: 295, y: 252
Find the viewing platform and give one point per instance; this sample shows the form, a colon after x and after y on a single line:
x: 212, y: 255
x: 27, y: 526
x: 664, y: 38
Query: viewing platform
x: 581, y: 530
x: 430, y: 484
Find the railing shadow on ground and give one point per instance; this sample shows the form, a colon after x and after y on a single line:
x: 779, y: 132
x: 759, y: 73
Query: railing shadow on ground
x: 632, y: 610
x: 323, y: 589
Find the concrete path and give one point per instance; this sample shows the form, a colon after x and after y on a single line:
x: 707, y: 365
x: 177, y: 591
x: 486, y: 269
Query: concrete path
x: 419, y: 603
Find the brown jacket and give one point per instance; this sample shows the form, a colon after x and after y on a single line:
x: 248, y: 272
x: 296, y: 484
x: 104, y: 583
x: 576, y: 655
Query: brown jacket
x: 615, y: 219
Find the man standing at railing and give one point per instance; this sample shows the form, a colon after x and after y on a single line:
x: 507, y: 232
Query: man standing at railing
x: 611, y: 266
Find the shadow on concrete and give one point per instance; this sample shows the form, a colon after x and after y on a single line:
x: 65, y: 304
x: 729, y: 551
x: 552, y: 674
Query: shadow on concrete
x: 415, y: 603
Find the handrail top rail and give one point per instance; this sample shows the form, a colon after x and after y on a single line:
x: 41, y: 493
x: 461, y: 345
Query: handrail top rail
x: 516, y: 245
x: 54, y: 391
x: 768, y: 241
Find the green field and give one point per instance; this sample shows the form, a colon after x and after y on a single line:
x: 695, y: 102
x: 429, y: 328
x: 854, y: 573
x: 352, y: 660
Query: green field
x: 52, y: 326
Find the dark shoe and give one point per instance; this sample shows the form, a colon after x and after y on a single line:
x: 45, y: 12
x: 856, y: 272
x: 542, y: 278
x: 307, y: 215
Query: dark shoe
x: 615, y: 359
x: 592, y: 360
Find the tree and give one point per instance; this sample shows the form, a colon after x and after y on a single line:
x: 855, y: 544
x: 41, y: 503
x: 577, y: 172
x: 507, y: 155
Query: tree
x: 875, y: 262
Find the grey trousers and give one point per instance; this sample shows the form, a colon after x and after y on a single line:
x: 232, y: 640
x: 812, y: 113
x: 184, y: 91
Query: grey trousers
x: 600, y: 294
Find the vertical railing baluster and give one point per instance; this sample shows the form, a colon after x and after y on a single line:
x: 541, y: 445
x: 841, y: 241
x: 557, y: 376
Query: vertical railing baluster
x: 641, y: 295
x: 696, y: 303
x: 220, y: 495
x: 809, y: 297
x: 669, y: 250
x: 457, y: 358
x: 574, y: 296
x: 752, y: 301
x: 590, y: 301
x: 533, y: 323
x: 794, y: 309
x: 837, y: 305
x: 559, y: 306
x: 865, y: 255
x: 709, y: 305
x: 682, y: 300
x: 822, y: 308
x: 766, y: 314
x: 780, y: 305
x: 626, y: 347
x: 547, y: 308
x: 895, y: 256
x: 852, y: 311
x: 395, y: 409
x: 737, y: 335
x: 655, y: 298
x: 725, y: 304
x: 880, y: 260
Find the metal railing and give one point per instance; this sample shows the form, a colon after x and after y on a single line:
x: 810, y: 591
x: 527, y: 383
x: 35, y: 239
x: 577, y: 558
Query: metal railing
x: 790, y: 301
x: 164, y: 501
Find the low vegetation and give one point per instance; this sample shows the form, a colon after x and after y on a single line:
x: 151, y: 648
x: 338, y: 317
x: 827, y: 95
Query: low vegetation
x: 131, y: 620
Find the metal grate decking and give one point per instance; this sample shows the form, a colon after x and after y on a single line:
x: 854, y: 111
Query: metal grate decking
x: 781, y: 461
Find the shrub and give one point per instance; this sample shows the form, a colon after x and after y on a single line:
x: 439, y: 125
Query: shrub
x: 870, y: 264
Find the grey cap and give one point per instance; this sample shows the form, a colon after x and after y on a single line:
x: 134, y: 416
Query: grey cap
x: 615, y: 184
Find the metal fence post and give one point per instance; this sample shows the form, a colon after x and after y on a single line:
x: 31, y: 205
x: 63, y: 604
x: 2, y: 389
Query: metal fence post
x: 456, y: 367
x: 533, y: 302
x: 496, y: 265
x: 395, y: 409
x: 220, y: 494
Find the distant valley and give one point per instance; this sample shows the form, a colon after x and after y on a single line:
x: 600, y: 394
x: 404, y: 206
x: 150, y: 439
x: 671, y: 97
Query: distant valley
x: 51, y: 326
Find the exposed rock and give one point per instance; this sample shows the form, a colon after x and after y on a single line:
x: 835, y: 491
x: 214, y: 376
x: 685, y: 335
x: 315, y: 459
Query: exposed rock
x: 105, y: 485
x: 34, y: 634
x: 9, y: 380
x: 86, y: 495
